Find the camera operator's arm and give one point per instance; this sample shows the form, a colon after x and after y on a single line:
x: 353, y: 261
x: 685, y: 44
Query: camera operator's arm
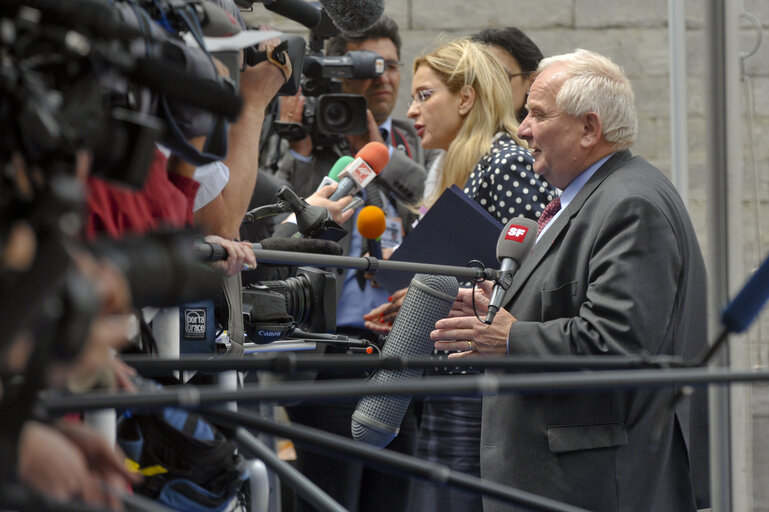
x: 258, y: 86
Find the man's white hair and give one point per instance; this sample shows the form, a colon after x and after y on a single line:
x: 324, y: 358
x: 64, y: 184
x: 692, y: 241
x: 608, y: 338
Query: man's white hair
x: 594, y: 83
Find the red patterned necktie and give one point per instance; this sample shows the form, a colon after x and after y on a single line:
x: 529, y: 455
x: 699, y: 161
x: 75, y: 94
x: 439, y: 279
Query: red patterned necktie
x: 548, y: 213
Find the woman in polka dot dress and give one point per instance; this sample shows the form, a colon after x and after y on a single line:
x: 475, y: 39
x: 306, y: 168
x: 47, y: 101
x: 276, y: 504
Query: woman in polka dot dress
x: 462, y: 103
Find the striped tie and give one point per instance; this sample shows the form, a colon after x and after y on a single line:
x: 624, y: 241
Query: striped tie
x: 548, y: 213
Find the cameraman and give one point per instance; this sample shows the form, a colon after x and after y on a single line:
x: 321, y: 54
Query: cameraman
x: 304, y: 166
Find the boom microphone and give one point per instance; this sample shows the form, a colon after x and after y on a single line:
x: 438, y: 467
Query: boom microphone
x: 369, y: 162
x: 514, y: 244
x: 353, y: 15
x: 377, y: 419
x: 744, y: 308
x: 206, y: 251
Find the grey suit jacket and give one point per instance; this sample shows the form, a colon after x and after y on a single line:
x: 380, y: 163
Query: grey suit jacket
x: 619, y: 272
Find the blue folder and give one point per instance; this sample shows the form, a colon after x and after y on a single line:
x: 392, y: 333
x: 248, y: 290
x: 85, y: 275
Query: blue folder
x: 454, y: 231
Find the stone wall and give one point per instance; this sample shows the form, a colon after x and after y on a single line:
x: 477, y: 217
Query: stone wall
x: 635, y: 35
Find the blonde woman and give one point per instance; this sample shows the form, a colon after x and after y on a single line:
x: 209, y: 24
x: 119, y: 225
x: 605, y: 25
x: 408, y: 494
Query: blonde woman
x: 462, y: 103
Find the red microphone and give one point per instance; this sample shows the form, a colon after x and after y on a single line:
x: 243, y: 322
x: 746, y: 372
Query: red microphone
x: 369, y: 162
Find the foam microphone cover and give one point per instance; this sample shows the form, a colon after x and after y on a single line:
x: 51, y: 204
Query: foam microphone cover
x: 353, y: 15
x: 376, y: 420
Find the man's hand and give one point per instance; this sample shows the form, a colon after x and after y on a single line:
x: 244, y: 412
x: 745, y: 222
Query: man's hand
x: 464, y: 332
x: 292, y: 111
x: 240, y: 255
x: 372, y: 135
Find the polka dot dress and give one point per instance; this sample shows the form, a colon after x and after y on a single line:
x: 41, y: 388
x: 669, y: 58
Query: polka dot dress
x: 505, y: 183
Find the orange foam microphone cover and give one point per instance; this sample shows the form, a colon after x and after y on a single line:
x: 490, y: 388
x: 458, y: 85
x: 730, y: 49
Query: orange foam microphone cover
x: 371, y: 222
x: 375, y: 154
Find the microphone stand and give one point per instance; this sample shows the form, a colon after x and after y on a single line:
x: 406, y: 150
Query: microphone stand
x: 213, y: 252
x: 370, y: 264
x: 386, y: 460
x: 291, y: 362
x: 187, y: 396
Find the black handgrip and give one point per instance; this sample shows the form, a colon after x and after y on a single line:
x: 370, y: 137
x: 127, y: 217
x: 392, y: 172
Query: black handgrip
x: 207, y: 251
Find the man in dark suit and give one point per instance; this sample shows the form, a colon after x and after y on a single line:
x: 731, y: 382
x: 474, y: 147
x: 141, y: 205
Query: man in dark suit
x: 617, y: 270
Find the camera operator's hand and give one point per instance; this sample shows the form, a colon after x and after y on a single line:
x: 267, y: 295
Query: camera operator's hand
x: 292, y: 111
x: 240, y: 255
x: 321, y: 198
x: 372, y: 135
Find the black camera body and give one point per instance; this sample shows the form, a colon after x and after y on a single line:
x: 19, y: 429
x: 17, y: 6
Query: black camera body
x: 273, y: 309
x: 328, y: 111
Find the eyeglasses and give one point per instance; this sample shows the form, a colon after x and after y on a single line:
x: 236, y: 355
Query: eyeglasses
x: 510, y: 75
x: 391, y: 66
x: 424, y: 95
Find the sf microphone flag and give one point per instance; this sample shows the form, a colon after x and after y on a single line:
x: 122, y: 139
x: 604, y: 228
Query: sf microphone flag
x: 743, y: 309
x: 369, y: 162
x: 371, y: 224
x: 377, y: 419
x: 514, y: 244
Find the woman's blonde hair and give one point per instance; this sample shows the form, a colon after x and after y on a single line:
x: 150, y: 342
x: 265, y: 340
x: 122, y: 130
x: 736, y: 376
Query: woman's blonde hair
x: 470, y: 63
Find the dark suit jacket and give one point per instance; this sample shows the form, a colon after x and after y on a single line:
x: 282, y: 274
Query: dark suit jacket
x: 619, y: 272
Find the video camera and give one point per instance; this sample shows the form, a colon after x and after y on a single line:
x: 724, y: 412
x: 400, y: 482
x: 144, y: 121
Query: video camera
x: 84, y: 77
x: 329, y: 113
x: 272, y: 310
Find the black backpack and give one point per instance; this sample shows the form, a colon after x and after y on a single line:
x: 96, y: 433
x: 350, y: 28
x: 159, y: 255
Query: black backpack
x: 187, y: 463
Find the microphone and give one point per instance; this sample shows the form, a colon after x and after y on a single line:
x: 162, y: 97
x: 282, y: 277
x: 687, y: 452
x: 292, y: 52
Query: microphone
x: 353, y: 15
x: 369, y: 162
x: 376, y: 420
x: 744, y: 308
x: 295, y: 10
x: 333, y: 174
x: 371, y: 224
x: 514, y: 244
x: 347, y: 15
x: 406, y: 184
x: 339, y: 166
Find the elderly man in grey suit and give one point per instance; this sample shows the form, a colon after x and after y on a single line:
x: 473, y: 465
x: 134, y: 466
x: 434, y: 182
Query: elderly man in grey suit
x: 616, y: 270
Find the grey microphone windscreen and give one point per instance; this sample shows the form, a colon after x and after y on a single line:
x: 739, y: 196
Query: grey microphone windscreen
x: 353, y: 15
x: 376, y: 420
x: 516, y: 239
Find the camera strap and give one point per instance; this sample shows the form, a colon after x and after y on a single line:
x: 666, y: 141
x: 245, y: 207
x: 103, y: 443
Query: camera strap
x: 277, y: 56
x: 399, y: 142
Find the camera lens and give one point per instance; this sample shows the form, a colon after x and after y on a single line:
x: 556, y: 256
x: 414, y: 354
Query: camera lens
x: 337, y: 115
